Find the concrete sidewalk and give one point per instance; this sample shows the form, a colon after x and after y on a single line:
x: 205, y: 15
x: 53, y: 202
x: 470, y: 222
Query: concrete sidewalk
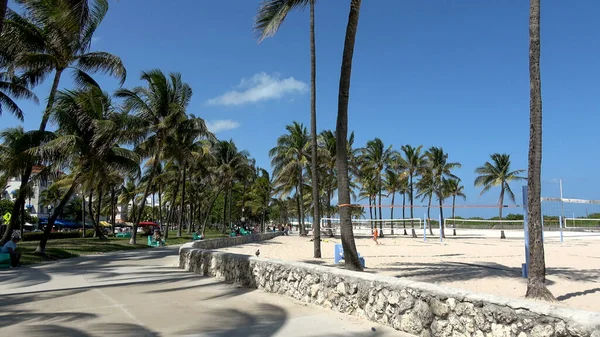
x: 143, y: 293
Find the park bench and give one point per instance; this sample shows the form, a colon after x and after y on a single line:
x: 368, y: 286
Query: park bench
x: 4, y: 260
x: 244, y: 232
x: 154, y: 243
x: 123, y: 235
x: 196, y: 237
x: 339, y: 255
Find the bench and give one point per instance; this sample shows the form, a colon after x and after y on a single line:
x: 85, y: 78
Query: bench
x: 123, y: 235
x: 196, y: 237
x: 339, y: 255
x: 4, y: 260
x: 154, y: 243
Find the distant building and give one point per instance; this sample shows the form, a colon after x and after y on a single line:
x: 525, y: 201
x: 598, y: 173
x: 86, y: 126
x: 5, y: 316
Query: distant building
x: 33, y: 201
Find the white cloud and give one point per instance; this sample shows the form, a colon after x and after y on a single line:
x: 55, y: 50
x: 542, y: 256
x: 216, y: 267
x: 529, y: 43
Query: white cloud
x: 95, y: 39
x: 222, y: 125
x: 260, y: 87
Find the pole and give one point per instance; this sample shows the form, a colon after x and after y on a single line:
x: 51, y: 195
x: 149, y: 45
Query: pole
x: 562, y: 203
x: 525, y: 266
x: 425, y: 228
x: 560, y: 220
x: 440, y: 222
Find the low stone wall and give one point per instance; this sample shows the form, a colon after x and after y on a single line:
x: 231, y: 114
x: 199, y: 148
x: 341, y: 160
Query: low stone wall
x: 417, y: 308
x: 228, y: 242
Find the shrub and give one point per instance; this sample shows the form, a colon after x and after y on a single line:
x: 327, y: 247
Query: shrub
x: 57, y: 235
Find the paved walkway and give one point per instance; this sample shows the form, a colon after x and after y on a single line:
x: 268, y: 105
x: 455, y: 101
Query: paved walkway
x: 143, y: 293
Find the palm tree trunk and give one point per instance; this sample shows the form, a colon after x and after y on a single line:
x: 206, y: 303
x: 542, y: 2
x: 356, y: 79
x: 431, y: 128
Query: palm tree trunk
x: 501, y: 201
x: 179, y: 228
x: 301, y: 196
x: 99, y: 231
x: 153, y: 210
x: 370, y: 211
x: 329, y: 193
x: 229, y: 207
x: 225, y: 210
x: 313, y: 136
x: 95, y: 221
x: 380, y: 208
x: 112, y: 209
x: 428, y: 215
x: 351, y: 255
x: 442, y: 229
x: 453, y: 207
x: 404, y: 212
x: 536, y: 285
x: 298, y: 210
x: 210, y: 207
x: 137, y: 219
x: 173, y: 208
x: 160, y: 206
x: 392, y: 212
x: 41, y: 248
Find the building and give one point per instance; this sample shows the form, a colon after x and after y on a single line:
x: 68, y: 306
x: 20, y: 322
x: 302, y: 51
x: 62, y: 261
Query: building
x: 34, y: 202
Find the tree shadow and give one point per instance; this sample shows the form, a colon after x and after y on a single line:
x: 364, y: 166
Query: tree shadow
x: 94, y: 330
x: 577, y: 293
x: 264, y: 321
x: 95, y: 267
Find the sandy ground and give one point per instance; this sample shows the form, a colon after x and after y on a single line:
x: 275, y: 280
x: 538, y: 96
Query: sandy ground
x: 475, y: 260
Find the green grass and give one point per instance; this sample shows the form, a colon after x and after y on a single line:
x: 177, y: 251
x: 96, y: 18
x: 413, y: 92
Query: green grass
x: 66, y: 248
x: 57, y: 249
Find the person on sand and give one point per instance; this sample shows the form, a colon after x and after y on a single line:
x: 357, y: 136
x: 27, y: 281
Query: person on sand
x: 375, y: 235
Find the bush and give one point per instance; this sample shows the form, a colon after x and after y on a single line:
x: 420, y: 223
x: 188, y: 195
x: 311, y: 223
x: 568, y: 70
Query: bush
x: 57, y: 235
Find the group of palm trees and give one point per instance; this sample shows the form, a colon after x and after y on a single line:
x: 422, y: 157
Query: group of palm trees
x: 101, y: 144
x: 111, y: 149
x: 377, y: 171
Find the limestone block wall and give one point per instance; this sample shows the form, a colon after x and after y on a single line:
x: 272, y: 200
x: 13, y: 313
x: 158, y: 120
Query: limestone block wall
x: 417, y: 308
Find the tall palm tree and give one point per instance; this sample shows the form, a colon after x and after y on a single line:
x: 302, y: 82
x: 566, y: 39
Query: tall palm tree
x: 498, y: 173
x: 87, y: 142
x: 426, y: 187
x: 159, y: 108
x: 352, y: 262
x: 455, y: 189
x: 414, y: 161
x: 53, y: 36
x: 230, y: 162
x: 289, y: 159
x: 270, y: 16
x: 260, y: 196
x: 375, y: 159
x: 536, y: 285
x: 392, y: 185
x: 15, y: 156
x: 440, y: 170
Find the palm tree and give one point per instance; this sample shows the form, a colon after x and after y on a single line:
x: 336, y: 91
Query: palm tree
x: 414, y: 161
x: 536, y: 285
x: 455, y: 189
x: 289, y: 158
x: 260, y: 196
x: 230, y: 164
x: 498, y: 173
x: 426, y: 189
x: 159, y: 108
x: 87, y: 144
x: 440, y: 170
x: 352, y: 262
x: 53, y: 36
x: 16, y: 157
x: 375, y: 158
x: 392, y: 185
x: 270, y: 16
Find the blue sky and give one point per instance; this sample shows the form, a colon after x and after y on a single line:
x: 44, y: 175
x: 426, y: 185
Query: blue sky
x: 448, y: 73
